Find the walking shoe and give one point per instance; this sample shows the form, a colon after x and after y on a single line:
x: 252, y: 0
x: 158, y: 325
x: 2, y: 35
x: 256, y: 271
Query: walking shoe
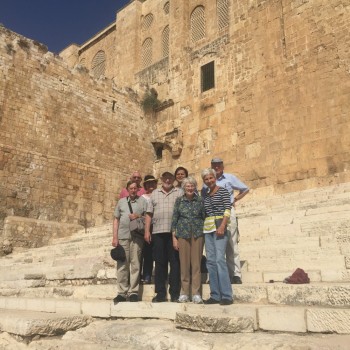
x: 118, y: 299
x: 211, y: 301
x: 133, y: 298
x: 196, y: 299
x: 236, y: 280
x: 183, y: 298
x: 174, y: 298
x: 226, y: 302
x: 146, y: 280
x: 158, y: 299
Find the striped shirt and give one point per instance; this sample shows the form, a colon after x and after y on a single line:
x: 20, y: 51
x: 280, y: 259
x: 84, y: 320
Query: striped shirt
x: 161, y: 205
x: 216, y: 207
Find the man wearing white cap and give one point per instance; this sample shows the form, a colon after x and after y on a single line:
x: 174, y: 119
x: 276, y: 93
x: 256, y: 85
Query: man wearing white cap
x: 232, y: 184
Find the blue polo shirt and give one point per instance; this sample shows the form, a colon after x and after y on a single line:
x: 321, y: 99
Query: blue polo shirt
x: 231, y: 183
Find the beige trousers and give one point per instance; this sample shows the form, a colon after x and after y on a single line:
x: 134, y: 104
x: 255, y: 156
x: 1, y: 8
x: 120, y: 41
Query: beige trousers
x: 128, y: 271
x: 190, y: 252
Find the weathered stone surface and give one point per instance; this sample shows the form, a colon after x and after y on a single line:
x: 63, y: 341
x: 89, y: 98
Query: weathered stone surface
x: 161, y: 334
x: 287, y: 319
x: 206, y: 322
x: 313, y: 294
x: 96, y: 308
x: 31, y: 233
x: 328, y: 320
x: 250, y: 293
x: 165, y: 311
x: 29, y: 323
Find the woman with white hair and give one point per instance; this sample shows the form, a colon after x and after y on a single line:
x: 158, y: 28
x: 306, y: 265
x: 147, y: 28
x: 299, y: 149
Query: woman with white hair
x: 217, y: 206
x: 187, y: 229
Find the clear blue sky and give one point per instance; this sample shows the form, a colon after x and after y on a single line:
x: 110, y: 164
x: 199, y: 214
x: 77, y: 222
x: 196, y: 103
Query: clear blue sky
x: 58, y: 23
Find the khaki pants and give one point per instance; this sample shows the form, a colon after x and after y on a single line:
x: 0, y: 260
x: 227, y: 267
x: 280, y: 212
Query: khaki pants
x: 232, y: 252
x: 190, y: 251
x: 128, y: 271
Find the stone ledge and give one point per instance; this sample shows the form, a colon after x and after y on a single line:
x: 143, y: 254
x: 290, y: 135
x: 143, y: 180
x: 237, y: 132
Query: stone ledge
x: 328, y: 320
x: 233, y: 318
x: 210, y: 323
x: 30, y: 323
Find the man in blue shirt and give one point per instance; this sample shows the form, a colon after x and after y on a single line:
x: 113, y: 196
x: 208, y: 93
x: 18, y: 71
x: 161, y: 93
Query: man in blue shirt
x: 232, y: 184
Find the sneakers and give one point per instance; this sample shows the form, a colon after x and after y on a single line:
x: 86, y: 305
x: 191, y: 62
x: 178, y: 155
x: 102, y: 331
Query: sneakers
x: 196, y: 299
x: 236, y: 280
x: 183, y: 298
x: 118, y: 299
x: 226, y: 302
x: 133, y: 298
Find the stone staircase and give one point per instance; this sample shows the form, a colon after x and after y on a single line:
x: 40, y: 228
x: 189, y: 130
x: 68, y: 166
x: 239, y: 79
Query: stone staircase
x: 76, y: 278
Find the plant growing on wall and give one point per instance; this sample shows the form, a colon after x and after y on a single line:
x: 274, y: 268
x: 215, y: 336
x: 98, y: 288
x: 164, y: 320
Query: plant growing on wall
x: 150, y: 101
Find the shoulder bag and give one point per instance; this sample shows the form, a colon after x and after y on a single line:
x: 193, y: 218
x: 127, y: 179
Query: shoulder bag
x: 137, y: 226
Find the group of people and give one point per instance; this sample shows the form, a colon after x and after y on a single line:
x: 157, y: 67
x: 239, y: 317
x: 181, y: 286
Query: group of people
x: 179, y: 219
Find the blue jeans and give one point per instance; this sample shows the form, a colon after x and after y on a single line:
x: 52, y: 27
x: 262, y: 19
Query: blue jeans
x: 219, y: 280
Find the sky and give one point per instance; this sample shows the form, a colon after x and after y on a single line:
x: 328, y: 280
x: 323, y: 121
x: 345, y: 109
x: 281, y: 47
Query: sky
x: 58, y: 23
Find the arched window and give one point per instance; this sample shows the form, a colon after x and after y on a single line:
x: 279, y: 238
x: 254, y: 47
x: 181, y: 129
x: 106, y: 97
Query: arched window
x: 98, y: 65
x: 147, y: 21
x: 222, y: 13
x: 166, y: 8
x: 147, y: 52
x: 83, y: 62
x: 165, y: 42
x: 198, y: 24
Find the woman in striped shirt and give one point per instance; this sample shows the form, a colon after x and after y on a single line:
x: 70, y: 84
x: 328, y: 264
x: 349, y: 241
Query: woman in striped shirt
x: 217, y: 206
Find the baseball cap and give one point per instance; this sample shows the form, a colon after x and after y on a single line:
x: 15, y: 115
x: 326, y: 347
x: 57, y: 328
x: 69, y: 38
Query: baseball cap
x: 217, y: 160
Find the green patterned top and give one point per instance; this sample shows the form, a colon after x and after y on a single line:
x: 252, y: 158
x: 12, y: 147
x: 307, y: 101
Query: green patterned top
x: 188, y: 217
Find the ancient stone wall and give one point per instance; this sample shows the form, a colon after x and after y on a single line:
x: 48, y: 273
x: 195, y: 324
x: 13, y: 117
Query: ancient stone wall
x: 67, y: 142
x: 278, y: 114
x: 278, y: 111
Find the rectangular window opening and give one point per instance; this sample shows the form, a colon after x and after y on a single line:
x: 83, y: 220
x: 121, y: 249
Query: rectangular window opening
x: 207, y: 76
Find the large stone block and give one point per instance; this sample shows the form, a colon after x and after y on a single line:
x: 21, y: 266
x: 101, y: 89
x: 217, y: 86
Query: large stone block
x: 29, y: 323
x: 328, y: 320
x: 211, y: 323
x: 164, y: 310
x: 310, y: 294
x: 26, y: 232
x: 96, y: 308
x: 283, y: 319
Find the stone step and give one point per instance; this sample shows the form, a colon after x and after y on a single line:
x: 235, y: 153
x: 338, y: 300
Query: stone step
x: 31, y: 323
x: 281, y: 318
x: 313, y: 294
x: 322, y: 195
x: 73, y: 268
x: 267, y: 318
x: 288, y: 241
x: 291, y: 263
x: 273, y: 252
x: 316, y: 275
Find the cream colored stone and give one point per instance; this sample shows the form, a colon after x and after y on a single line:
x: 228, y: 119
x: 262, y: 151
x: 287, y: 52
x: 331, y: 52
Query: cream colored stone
x: 29, y: 323
x: 96, y: 308
x: 328, y: 320
x: 309, y: 294
x: 283, y: 319
x: 165, y: 310
x: 214, y: 324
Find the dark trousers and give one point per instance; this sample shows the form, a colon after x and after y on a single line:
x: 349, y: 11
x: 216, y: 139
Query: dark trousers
x: 164, y: 253
x: 147, y: 261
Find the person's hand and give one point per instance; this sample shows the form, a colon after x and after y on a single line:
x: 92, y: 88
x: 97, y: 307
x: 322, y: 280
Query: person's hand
x: 148, y: 237
x: 115, y: 242
x: 220, y: 231
x: 175, y: 243
x: 133, y: 216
